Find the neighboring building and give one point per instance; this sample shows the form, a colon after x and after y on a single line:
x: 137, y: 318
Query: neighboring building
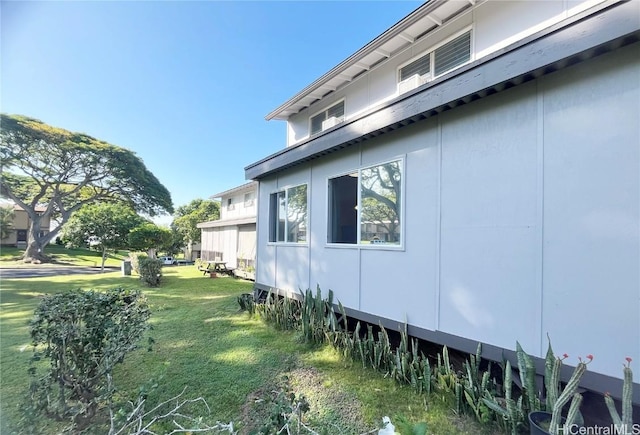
x: 495, y: 146
x: 232, y: 238
x: 19, y: 234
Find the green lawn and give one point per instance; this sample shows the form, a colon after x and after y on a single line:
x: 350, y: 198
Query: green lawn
x: 231, y: 359
x: 11, y: 257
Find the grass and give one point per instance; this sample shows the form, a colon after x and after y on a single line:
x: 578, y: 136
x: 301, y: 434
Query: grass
x: 227, y: 357
x: 11, y: 257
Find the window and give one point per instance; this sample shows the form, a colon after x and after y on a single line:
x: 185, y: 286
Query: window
x: 230, y: 204
x: 364, y: 206
x: 435, y: 63
x: 288, y: 215
x: 327, y: 118
x: 248, y: 199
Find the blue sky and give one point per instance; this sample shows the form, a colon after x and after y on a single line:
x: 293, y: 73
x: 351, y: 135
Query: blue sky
x: 186, y: 85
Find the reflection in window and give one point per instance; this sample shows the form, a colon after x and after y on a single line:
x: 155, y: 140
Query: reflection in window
x: 364, y: 206
x: 288, y: 215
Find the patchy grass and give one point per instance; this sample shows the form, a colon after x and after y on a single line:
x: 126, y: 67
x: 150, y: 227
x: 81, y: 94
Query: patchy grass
x: 227, y: 357
x: 61, y: 256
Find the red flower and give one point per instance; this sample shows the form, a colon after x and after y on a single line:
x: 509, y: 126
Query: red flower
x: 565, y: 356
x: 628, y: 359
x: 589, y: 357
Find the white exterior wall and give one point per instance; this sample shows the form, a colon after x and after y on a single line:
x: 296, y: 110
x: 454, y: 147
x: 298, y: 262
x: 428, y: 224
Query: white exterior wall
x: 495, y: 25
x: 240, y: 210
x: 522, y: 219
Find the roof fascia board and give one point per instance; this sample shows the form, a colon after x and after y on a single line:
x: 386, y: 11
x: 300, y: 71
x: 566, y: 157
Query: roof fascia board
x: 541, y: 53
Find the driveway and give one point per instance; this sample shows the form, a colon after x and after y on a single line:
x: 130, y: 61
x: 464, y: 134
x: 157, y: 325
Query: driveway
x: 35, y: 272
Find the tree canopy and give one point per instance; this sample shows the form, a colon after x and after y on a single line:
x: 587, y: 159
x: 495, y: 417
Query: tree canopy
x: 188, y: 216
x: 150, y: 237
x: 108, y: 225
x: 62, y: 171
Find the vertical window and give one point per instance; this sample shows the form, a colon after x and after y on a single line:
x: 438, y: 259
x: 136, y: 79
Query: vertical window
x: 248, y: 199
x: 327, y: 118
x: 288, y: 215
x: 230, y: 204
x: 364, y: 206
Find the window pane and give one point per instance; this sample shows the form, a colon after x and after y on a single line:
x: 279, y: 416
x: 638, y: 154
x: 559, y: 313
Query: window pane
x: 273, y: 217
x: 343, y: 209
x: 337, y: 110
x: 453, y: 54
x: 281, y: 216
x: 420, y: 66
x: 316, y: 123
x: 297, y: 214
x: 380, y: 207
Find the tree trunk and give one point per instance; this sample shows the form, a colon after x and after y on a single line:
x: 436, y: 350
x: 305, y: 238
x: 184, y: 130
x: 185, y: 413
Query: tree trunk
x: 35, y: 248
x: 104, y: 257
x: 35, y: 253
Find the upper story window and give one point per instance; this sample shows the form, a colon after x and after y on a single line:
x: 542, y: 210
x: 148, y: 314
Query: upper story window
x: 288, y: 215
x: 248, y: 199
x: 364, y: 206
x: 443, y: 59
x: 230, y: 204
x: 327, y: 118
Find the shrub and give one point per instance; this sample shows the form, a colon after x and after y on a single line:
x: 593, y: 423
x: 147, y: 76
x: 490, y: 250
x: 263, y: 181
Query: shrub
x: 135, y: 261
x: 150, y: 271
x: 84, y: 335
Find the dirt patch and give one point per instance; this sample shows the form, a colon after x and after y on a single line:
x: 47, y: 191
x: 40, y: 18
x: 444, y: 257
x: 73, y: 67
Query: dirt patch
x: 330, y: 409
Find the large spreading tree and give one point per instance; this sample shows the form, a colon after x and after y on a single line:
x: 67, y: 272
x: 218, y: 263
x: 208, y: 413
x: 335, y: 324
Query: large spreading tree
x: 62, y: 171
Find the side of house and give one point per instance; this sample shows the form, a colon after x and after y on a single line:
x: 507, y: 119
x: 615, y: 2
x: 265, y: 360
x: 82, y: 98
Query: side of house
x: 19, y: 233
x: 475, y: 172
x: 232, y: 238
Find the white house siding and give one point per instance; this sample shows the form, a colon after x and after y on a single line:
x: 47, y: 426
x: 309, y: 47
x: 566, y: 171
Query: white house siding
x: 495, y: 24
x: 591, y: 267
x: 522, y: 219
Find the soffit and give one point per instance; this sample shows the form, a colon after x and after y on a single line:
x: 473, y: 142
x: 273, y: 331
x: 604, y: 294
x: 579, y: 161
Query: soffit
x: 407, y: 31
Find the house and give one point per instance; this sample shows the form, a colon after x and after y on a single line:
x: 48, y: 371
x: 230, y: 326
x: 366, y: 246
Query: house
x: 19, y: 233
x: 232, y: 238
x: 473, y: 171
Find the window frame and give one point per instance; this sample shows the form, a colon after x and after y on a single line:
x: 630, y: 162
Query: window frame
x: 325, y: 110
x: 359, y: 244
x: 273, y: 217
x: 431, y: 53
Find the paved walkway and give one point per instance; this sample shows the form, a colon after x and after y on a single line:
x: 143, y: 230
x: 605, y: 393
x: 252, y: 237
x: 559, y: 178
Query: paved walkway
x: 42, y: 271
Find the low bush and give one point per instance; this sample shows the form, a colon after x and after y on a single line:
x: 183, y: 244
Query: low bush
x: 83, y: 335
x: 150, y: 271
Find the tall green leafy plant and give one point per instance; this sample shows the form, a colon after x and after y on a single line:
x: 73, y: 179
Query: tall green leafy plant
x: 83, y: 335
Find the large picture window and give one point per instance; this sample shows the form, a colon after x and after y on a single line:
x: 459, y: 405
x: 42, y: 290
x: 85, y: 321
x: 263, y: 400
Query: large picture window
x: 364, y: 206
x: 288, y: 215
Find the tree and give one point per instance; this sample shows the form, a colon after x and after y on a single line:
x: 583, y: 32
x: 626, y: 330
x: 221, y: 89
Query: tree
x: 188, y: 216
x: 6, y: 221
x: 109, y: 224
x: 149, y: 237
x: 63, y: 171
x: 380, y: 192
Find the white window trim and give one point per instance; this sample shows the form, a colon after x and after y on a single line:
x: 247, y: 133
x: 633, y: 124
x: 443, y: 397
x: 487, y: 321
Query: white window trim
x: 358, y: 245
x: 313, y: 115
x: 432, y: 49
x: 284, y: 189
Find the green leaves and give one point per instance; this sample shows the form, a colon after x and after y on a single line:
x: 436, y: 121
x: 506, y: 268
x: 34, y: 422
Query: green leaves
x: 84, y: 335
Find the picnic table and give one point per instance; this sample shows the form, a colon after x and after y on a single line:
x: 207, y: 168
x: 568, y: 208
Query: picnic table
x: 213, y: 266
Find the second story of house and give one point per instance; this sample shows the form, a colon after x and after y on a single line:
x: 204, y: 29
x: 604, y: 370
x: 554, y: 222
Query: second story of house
x: 239, y: 202
x: 422, y: 49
